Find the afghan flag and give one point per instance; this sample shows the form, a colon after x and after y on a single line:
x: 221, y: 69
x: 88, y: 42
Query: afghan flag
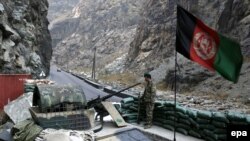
x: 201, y: 44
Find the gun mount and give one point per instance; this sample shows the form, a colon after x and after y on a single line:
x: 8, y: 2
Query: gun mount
x: 100, y: 110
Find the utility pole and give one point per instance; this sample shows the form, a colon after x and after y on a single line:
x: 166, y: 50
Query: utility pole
x: 93, y: 67
x: 67, y: 62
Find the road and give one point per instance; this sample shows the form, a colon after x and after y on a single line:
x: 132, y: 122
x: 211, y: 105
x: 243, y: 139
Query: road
x: 64, y: 78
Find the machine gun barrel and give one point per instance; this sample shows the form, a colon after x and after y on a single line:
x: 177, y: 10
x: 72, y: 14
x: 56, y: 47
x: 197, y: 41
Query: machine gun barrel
x: 98, y: 100
x: 108, y: 96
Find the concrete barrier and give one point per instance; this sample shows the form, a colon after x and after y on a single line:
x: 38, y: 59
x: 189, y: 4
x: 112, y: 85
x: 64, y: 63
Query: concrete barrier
x: 94, y: 84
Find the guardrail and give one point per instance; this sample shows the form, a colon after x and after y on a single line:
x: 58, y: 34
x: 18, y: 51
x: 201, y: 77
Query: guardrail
x: 100, y: 86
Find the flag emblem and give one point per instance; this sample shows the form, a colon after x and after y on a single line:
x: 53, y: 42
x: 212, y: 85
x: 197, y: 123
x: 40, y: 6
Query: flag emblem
x: 204, y: 46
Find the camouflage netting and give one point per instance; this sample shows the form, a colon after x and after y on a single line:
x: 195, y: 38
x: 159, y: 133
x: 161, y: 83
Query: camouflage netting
x: 47, y: 97
x: 200, y: 124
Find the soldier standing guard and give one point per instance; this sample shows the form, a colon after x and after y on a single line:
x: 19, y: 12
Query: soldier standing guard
x: 148, y: 99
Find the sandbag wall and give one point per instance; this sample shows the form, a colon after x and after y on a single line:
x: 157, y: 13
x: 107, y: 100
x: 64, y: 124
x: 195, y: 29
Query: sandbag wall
x: 207, y: 125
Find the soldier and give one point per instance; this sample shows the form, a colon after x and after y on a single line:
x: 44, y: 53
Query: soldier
x: 148, y: 99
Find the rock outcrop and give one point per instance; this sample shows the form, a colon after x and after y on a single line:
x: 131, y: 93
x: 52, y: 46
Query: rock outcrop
x: 108, y: 26
x: 63, y: 19
x: 25, y: 42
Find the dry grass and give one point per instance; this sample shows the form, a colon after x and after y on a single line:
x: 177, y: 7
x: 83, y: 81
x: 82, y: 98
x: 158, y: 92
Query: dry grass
x: 83, y: 69
x: 162, y: 86
x: 125, y: 78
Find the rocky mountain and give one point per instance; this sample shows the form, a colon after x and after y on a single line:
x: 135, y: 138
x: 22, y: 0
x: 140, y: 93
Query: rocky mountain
x: 152, y: 48
x: 107, y: 25
x: 139, y: 36
x: 25, y: 42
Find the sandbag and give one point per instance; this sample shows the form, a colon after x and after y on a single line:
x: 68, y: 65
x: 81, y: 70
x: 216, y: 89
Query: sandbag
x: 127, y: 111
x: 203, y: 121
x: 220, y: 131
x: 126, y: 105
x: 232, y: 116
x: 210, y: 134
x: 183, y: 131
x: 191, y: 113
x: 248, y: 119
x: 181, y: 109
x: 180, y: 125
x: 133, y: 108
x: 194, y: 124
x: 169, y: 122
x: 159, y: 107
x: 181, y: 115
x: 207, y: 138
x: 194, y: 133
x: 169, y: 104
x: 127, y: 100
x: 170, y: 118
x: 129, y: 114
x: 220, y: 117
x: 238, y: 122
x: 222, y: 137
x: 29, y: 87
x: 131, y: 121
x: 219, y: 124
x: 136, y: 98
x: 169, y: 113
x: 159, y: 103
x: 207, y: 126
x: 204, y: 114
x: 168, y: 108
x: 184, y: 121
x: 168, y: 127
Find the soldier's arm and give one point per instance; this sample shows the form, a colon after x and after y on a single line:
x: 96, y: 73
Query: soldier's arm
x: 153, y: 91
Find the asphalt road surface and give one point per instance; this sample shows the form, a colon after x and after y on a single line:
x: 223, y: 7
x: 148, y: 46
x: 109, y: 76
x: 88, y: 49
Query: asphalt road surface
x: 64, y: 78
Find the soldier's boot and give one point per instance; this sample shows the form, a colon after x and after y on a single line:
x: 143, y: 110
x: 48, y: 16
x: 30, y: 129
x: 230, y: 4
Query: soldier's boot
x: 147, y: 125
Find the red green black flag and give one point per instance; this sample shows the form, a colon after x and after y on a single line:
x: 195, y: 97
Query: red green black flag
x: 201, y: 44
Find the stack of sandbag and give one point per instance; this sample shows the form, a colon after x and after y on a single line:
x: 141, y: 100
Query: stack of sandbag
x: 129, y: 109
x: 30, y: 84
x: 220, y: 121
x: 211, y: 126
x: 29, y: 87
x: 206, y: 128
x: 164, y: 114
x: 183, y: 123
x: 194, y: 125
x: 237, y: 118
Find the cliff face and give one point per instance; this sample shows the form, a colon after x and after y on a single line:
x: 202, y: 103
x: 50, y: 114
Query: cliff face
x: 153, y: 46
x: 63, y: 22
x: 25, y: 42
x: 108, y: 26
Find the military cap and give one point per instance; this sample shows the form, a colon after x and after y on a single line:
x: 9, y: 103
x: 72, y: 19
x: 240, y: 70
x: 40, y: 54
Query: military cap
x: 147, y: 75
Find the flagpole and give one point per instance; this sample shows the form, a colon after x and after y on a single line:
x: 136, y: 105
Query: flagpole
x: 175, y: 84
x: 175, y: 91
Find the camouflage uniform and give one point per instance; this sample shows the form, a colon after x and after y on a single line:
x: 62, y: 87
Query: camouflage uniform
x: 148, y: 99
